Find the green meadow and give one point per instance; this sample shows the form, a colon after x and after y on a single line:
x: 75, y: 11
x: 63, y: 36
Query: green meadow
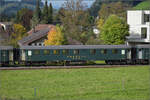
x: 123, y: 83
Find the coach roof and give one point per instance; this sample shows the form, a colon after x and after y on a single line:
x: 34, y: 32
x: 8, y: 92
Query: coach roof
x: 143, y: 46
x: 6, y: 47
x: 75, y: 47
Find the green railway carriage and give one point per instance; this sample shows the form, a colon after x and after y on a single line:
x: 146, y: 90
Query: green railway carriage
x: 6, y: 54
x: 143, y: 54
x: 108, y: 53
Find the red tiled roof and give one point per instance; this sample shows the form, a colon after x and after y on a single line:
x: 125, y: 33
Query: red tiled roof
x: 40, y: 27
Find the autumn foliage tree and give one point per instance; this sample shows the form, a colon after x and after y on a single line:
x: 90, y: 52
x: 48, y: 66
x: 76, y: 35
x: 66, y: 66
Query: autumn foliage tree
x: 55, y: 37
x: 18, y: 33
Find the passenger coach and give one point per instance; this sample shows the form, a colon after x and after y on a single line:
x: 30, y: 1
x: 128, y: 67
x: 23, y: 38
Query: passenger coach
x: 112, y: 54
x: 6, y: 55
x: 143, y: 54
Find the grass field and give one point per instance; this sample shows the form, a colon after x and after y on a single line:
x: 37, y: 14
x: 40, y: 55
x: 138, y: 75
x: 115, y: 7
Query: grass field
x: 124, y: 83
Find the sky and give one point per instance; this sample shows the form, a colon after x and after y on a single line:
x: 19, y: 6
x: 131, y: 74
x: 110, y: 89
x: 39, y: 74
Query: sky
x: 58, y: 3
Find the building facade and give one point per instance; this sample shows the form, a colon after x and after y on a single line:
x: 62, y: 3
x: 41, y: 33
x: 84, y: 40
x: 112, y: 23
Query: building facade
x: 139, y: 27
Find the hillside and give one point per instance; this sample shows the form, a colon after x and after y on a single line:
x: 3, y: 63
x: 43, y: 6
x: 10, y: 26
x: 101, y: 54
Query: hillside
x: 143, y: 6
x: 97, y: 4
x: 11, y: 7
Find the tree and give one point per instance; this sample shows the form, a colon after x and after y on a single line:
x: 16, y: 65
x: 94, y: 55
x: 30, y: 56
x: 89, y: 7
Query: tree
x: 76, y: 20
x: 100, y: 23
x: 23, y: 17
x: 18, y: 33
x: 114, y: 30
x: 116, y: 8
x: 50, y: 14
x: 45, y: 18
x: 94, y: 9
x: 55, y: 37
x: 37, y: 15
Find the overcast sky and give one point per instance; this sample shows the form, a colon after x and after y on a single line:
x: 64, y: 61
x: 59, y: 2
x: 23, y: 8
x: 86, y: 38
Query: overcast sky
x: 58, y: 3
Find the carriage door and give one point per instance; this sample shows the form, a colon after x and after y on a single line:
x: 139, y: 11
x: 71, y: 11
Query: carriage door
x: 133, y: 53
x: 128, y: 54
x: 140, y: 54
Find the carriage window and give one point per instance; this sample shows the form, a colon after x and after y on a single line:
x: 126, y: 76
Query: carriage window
x: 29, y: 53
x: 46, y: 52
x: 3, y: 53
x: 114, y: 51
x: 76, y: 52
x: 65, y: 52
x: 56, y: 52
x: 123, y: 52
x: 36, y: 52
x: 93, y: 51
x: 104, y: 51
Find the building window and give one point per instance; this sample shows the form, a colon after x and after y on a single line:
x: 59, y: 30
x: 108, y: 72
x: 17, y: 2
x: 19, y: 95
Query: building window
x: 93, y: 51
x: 65, y: 52
x: 114, y: 51
x: 104, y: 51
x: 76, y: 52
x: 143, y: 32
x: 46, y: 52
x: 56, y: 52
x: 146, y: 17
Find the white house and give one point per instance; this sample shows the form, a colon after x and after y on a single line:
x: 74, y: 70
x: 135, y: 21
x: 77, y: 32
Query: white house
x: 139, y: 26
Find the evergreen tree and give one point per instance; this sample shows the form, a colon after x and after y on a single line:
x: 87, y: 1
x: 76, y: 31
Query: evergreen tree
x: 50, y: 14
x: 38, y: 10
x: 45, y: 14
x: 37, y: 15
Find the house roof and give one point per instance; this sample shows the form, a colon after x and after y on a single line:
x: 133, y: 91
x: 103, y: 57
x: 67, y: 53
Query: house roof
x: 40, y: 27
x: 34, y: 36
x: 75, y: 47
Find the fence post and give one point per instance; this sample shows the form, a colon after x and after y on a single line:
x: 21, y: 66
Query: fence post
x: 35, y: 92
x: 123, y: 84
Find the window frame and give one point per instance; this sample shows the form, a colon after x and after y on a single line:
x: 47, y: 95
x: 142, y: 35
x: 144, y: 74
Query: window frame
x: 144, y: 32
x: 103, y: 51
x: 56, y: 52
x: 36, y: 52
x: 46, y: 52
x: 114, y: 51
x: 65, y: 51
x: 146, y: 18
x: 92, y: 51
x: 76, y: 52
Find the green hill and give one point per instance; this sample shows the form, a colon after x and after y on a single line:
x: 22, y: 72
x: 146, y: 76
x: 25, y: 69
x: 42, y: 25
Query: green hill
x: 11, y: 7
x: 145, y: 5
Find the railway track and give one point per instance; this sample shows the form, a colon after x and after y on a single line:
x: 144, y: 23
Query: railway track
x: 65, y: 67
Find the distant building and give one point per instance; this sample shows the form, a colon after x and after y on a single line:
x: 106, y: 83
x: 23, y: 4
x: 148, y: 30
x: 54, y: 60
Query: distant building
x: 36, y: 36
x: 139, y: 27
x: 5, y: 31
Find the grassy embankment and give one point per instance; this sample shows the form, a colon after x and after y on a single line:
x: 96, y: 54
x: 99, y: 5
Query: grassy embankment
x: 125, y: 83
